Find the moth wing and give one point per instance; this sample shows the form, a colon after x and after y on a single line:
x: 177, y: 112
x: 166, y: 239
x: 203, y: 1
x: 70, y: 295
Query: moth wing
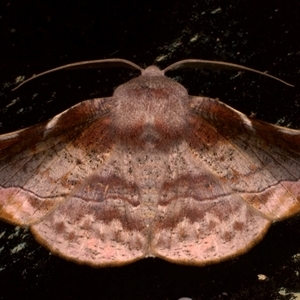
x: 237, y: 176
x: 259, y: 161
x: 100, y: 223
x: 62, y: 179
x: 40, y: 165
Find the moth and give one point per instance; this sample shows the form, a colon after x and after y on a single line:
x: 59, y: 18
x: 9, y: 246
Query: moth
x: 149, y: 172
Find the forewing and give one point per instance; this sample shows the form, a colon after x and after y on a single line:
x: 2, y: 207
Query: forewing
x: 259, y: 161
x: 41, y: 165
x: 65, y: 180
x: 236, y: 176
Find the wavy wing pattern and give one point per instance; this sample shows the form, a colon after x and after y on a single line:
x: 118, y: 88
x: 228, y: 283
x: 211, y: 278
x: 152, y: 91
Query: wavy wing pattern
x: 150, y: 171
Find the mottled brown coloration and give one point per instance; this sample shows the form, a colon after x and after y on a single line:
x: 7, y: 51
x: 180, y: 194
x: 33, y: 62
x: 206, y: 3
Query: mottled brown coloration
x: 150, y: 171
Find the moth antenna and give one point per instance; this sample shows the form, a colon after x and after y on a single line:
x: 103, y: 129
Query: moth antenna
x: 211, y: 64
x: 103, y: 63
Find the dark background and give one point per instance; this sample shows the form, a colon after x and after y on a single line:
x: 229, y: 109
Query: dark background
x: 38, y: 35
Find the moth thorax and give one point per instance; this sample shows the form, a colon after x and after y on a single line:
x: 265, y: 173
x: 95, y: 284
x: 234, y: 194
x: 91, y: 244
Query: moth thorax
x: 150, y: 110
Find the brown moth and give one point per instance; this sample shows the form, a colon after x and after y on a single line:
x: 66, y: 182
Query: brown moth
x: 149, y: 172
